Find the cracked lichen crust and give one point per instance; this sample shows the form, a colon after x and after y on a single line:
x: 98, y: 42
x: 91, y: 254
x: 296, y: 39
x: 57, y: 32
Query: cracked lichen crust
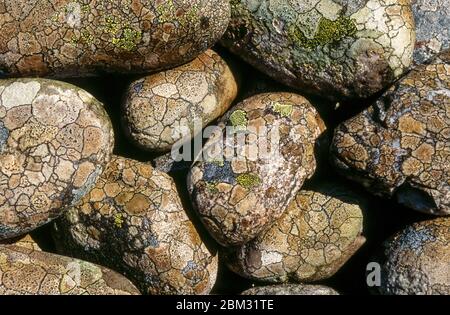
x: 59, y: 138
x: 416, y: 261
x: 162, y: 109
x: 400, y: 147
x: 336, y: 49
x: 26, y: 241
x: 291, y: 289
x: 432, y: 28
x: 133, y: 222
x: 239, y: 195
x: 320, y: 230
x: 82, y: 37
x: 25, y: 271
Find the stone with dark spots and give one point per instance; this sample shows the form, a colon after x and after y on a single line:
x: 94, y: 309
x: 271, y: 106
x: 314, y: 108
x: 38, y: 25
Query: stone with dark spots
x: 415, y: 261
x: 335, y: 49
x: 76, y: 38
x: 400, y: 147
x: 252, y: 167
x: 133, y: 222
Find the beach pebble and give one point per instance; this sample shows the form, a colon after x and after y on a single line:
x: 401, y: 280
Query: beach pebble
x: 400, y: 146
x: 174, y: 106
x: 254, y: 164
x: 25, y: 271
x: 133, y: 222
x: 333, y: 48
x: 75, y: 38
x: 320, y: 230
x: 291, y: 289
x: 55, y: 140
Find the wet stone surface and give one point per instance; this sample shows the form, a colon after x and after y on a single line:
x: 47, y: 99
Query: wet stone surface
x: 72, y: 38
x: 25, y: 271
x: 55, y: 140
x: 335, y: 49
x: 248, y: 173
x: 133, y: 222
x: 400, y: 146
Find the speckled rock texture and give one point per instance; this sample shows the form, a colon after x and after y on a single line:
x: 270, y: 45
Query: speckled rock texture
x: 25, y: 271
x: 23, y: 241
x: 334, y: 48
x: 416, y: 261
x: 249, y: 172
x: 317, y: 234
x: 291, y: 289
x: 400, y: 146
x: 432, y: 27
x: 162, y: 109
x: 79, y: 37
x: 55, y: 140
x: 133, y: 222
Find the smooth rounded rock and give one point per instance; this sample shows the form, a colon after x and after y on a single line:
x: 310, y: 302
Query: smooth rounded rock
x: 55, y: 140
x: 291, y: 289
x: 26, y: 241
x: 76, y: 38
x: 25, y: 271
x: 320, y: 230
x: 174, y: 106
x: 254, y: 163
x: 432, y: 28
x: 400, y: 147
x: 416, y: 261
x: 133, y: 222
x: 333, y: 48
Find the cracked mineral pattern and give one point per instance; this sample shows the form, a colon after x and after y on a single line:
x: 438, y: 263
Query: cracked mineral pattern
x: 162, y: 109
x: 252, y: 168
x: 25, y: 271
x: 133, y: 222
x: 55, y: 141
x: 317, y: 234
x: 432, y: 28
x: 23, y: 241
x: 72, y: 38
x: 333, y: 48
x: 400, y: 146
x: 416, y: 260
x: 291, y: 289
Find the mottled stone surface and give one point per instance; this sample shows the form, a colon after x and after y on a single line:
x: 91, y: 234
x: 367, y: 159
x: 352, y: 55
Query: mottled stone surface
x: 432, y: 28
x: 25, y: 271
x: 163, y: 109
x: 291, y: 289
x: 133, y: 222
x: 247, y: 176
x: 400, y: 147
x: 79, y: 37
x: 317, y: 234
x: 171, y: 164
x: 23, y: 241
x: 55, y: 141
x: 333, y: 48
x: 417, y: 260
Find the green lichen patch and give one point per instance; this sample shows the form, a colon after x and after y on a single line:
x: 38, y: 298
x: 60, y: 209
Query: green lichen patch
x: 118, y: 220
x: 248, y: 180
x: 284, y: 110
x: 123, y: 35
x: 328, y: 32
x: 238, y: 119
x: 211, y: 187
